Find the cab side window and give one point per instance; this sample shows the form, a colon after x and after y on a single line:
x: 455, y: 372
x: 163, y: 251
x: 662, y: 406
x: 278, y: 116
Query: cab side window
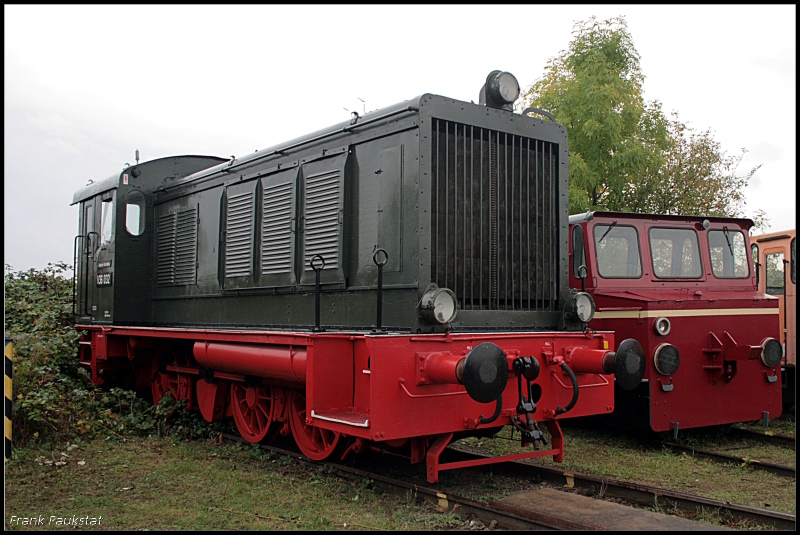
x: 578, y: 250
x: 107, y: 221
x: 773, y: 263
x: 134, y: 213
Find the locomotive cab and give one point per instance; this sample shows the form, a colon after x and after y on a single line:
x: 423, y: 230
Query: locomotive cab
x: 114, y: 230
x: 685, y: 288
x: 94, y: 251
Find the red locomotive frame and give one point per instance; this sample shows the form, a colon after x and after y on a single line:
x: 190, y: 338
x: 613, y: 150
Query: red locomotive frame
x: 339, y: 392
x: 723, y: 328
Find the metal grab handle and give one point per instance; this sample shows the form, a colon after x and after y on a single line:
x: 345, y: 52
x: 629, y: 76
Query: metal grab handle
x: 540, y: 112
x: 317, y: 268
x: 440, y: 395
x: 74, y: 267
x: 380, y: 265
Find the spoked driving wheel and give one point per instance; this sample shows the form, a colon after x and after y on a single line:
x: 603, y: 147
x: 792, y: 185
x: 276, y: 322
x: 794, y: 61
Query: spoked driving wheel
x: 253, y: 411
x: 316, y: 443
x: 163, y: 381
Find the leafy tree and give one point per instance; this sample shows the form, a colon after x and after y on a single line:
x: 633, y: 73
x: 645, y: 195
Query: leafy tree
x: 625, y: 155
x: 697, y: 178
x: 595, y: 90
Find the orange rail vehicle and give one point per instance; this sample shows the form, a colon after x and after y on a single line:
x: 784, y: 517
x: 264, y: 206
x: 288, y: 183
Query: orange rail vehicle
x: 774, y: 257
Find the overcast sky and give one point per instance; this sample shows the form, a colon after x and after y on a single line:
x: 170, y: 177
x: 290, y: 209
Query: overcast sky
x: 87, y: 86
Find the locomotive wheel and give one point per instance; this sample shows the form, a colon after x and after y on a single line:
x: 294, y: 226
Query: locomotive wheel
x: 164, y: 381
x: 253, y: 411
x: 316, y: 443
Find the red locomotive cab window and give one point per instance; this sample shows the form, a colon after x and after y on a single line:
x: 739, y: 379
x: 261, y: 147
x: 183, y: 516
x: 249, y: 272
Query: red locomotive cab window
x: 616, y: 249
x: 676, y: 253
x: 728, y: 254
x: 578, y: 251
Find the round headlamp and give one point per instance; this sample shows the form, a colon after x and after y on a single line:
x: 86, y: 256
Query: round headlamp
x: 501, y: 90
x: 581, y: 307
x: 666, y: 359
x: 661, y: 326
x: 771, y: 352
x: 504, y: 86
x: 439, y: 305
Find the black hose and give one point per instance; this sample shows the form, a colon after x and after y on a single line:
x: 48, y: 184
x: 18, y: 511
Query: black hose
x: 562, y: 410
x: 496, y: 414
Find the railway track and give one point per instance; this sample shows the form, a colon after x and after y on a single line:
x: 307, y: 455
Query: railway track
x: 648, y: 496
x: 490, y: 515
x: 503, y: 516
x: 719, y: 457
x: 781, y: 470
x: 777, y: 440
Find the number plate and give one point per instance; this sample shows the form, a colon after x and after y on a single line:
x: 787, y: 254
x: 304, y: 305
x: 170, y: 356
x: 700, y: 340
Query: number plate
x: 104, y: 279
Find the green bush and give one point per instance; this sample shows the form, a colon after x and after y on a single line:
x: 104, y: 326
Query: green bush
x: 54, y: 399
x: 38, y: 313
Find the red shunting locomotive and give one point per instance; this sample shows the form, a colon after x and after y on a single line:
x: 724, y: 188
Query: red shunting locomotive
x: 685, y: 288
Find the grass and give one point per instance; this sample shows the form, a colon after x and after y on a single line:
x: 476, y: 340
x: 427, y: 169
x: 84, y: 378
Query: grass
x: 784, y: 426
x: 149, y: 483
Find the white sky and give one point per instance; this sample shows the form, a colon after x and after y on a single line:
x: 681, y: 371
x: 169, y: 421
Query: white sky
x: 85, y: 86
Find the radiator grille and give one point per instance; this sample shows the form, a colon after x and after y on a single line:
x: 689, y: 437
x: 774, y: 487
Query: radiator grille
x: 276, y: 229
x: 322, y: 219
x: 495, y: 221
x: 177, y: 248
x: 239, y: 235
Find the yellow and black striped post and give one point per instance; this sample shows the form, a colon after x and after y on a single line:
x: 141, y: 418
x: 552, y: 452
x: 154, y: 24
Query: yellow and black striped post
x: 9, y: 397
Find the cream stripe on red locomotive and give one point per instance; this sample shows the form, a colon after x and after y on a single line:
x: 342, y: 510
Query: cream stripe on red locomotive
x: 641, y: 314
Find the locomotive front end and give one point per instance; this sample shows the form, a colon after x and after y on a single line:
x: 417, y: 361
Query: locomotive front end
x: 684, y: 287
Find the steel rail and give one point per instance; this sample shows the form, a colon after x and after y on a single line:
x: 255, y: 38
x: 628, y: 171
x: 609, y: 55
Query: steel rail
x: 777, y: 440
x: 645, y: 495
x: 506, y: 517
x: 513, y: 518
x: 777, y: 469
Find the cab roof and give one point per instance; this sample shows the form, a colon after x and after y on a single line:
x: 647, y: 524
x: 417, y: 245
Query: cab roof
x: 589, y: 215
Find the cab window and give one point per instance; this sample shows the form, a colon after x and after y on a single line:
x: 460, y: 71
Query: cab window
x: 728, y: 254
x: 617, y: 251
x: 793, y: 256
x: 676, y: 253
x: 578, y: 251
x: 106, y: 221
x: 773, y: 263
x: 134, y: 213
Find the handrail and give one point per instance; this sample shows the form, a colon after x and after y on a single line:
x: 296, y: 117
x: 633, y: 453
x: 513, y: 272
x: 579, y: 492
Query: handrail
x: 74, y: 267
x: 540, y: 112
